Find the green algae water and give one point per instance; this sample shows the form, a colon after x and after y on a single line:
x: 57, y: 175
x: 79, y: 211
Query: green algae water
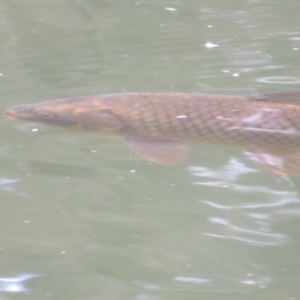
x: 83, y: 217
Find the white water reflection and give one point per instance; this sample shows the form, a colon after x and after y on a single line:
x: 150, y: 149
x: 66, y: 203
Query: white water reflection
x: 15, y: 284
x: 193, y: 280
x: 230, y: 172
x: 279, y: 80
x: 249, y: 280
x: 7, y: 184
x: 254, y: 237
x: 253, y: 210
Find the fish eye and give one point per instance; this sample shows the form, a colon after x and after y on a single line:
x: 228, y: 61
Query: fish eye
x: 103, y: 112
x: 45, y: 115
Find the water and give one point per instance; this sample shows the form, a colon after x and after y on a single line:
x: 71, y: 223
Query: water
x: 84, y: 218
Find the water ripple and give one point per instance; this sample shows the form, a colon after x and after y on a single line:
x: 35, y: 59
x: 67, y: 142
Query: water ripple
x: 279, y: 80
x: 252, y: 210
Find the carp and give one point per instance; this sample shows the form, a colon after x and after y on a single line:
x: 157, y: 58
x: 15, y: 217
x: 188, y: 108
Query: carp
x: 159, y: 126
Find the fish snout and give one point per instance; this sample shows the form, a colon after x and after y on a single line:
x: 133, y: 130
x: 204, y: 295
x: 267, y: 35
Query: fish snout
x: 23, y: 112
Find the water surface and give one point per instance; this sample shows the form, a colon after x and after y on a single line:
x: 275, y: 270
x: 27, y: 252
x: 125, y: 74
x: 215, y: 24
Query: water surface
x: 82, y: 216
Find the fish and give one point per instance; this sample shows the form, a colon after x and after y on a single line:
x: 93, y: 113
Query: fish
x: 160, y: 126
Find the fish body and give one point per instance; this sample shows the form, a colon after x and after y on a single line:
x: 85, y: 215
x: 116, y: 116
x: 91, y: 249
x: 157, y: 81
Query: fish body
x: 164, y: 122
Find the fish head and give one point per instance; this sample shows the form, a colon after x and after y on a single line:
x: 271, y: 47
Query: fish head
x: 78, y: 114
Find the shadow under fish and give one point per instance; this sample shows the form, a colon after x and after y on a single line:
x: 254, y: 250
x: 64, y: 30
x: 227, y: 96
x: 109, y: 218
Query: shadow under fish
x: 160, y: 126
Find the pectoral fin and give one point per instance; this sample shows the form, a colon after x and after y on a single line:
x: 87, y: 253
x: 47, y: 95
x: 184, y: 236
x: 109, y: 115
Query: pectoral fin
x: 164, y: 152
x: 279, y: 162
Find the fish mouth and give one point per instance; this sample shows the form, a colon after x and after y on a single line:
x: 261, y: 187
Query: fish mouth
x: 9, y: 112
x: 23, y: 112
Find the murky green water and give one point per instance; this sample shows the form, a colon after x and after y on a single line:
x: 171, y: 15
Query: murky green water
x: 84, y: 218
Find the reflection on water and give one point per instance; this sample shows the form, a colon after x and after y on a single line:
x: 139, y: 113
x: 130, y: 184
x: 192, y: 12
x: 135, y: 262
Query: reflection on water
x: 247, y: 222
x: 194, y: 280
x: 251, y: 236
x: 8, y: 184
x: 279, y: 80
x: 226, y: 281
x: 15, y: 284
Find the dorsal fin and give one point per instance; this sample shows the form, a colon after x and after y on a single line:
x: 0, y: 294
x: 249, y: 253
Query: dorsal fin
x: 285, y: 98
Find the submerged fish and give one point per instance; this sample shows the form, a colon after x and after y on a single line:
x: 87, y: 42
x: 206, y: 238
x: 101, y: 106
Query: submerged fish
x: 159, y: 125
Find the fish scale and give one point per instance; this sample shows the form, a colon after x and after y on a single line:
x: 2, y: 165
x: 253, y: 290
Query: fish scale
x: 263, y: 123
x: 210, y: 121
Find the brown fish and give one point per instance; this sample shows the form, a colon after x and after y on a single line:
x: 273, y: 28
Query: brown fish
x: 158, y: 125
